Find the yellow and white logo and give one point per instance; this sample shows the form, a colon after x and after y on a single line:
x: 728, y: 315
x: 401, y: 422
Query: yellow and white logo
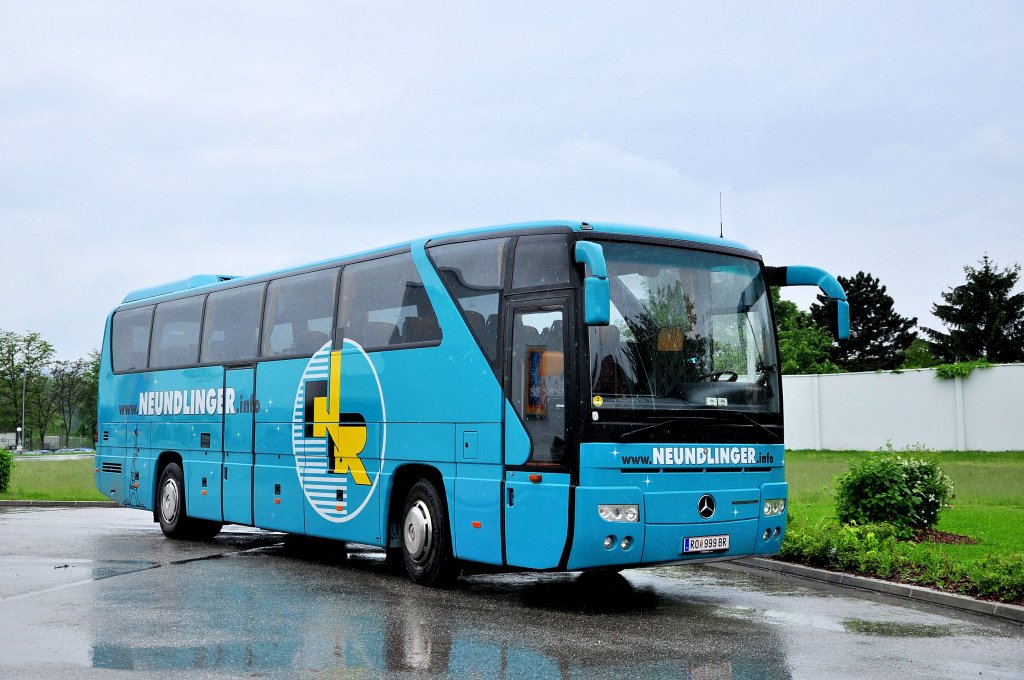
x: 339, y: 431
x: 345, y: 432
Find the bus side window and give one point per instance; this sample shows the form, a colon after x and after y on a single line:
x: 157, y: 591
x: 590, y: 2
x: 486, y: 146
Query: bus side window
x: 129, y: 338
x: 542, y: 261
x: 176, y: 333
x: 231, y: 329
x: 473, y: 273
x: 299, y: 314
x: 383, y: 305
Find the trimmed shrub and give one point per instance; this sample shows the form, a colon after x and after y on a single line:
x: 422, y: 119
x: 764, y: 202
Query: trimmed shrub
x: 906, y: 492
x: 999, y: 577
x: 879, y: 550
x: 6, y: 466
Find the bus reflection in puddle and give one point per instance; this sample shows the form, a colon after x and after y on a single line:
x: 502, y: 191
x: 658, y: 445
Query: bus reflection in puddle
x: 274, y: 612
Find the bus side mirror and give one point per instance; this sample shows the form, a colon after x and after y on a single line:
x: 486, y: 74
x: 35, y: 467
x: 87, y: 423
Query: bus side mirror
x: 838, y: 318
x: 596, y: 291
x: 836, y: 305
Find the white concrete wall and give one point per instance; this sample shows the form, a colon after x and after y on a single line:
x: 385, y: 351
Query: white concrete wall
x: 860, y: 411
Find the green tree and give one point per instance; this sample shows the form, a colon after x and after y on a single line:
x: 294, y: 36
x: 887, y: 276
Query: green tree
x: 90, y: 395
x: 17, y: 353
x: 41, y: 406
x: 805, y: 347
x: 984, y: 318
x: 69, y: 381
x: 920, y: 355
x: 879, y: 337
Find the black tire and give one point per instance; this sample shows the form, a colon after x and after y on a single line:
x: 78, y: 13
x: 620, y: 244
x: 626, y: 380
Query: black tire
x: 426, y: 537
x: 394, y: 560
x: 203, y: 529
x: 170, y: 503
x: 173, y: 513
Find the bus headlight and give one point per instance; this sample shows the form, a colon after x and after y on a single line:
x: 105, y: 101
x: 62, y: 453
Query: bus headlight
x: 619, y: 513
x: 774, y: 506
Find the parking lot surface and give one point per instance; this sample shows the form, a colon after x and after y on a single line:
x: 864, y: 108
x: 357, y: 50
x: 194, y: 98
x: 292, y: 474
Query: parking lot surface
x: 96, y: 592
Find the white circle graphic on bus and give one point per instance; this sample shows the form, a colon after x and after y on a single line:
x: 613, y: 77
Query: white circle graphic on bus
x: 337, y: 424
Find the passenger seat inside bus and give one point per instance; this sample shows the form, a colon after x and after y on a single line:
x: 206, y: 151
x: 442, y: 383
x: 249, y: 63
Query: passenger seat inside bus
x: 608, y: 376
x: 308, y: 342
x: 419, y: 329
x: 476, y: 322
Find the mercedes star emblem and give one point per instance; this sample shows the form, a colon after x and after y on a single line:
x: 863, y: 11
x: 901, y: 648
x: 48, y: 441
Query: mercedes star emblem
x: 706, y: 506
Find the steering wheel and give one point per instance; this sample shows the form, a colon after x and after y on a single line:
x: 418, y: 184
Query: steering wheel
x: 717, y: 376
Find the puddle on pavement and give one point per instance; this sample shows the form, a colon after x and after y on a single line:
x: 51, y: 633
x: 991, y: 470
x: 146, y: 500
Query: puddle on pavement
x: 21, y: 575
x: 896, y: 629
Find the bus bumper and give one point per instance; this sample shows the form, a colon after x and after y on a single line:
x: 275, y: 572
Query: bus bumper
x: 598, y: 543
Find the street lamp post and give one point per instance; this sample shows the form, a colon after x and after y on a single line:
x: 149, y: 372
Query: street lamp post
x: 24, y: 379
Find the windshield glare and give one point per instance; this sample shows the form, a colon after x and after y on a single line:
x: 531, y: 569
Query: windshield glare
x: 689, y: 329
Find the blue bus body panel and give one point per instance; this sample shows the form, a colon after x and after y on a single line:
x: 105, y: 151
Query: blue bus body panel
x: 203, y: 484
x: 238, y: 447
x: 476, y: 520
x: 536, y: 519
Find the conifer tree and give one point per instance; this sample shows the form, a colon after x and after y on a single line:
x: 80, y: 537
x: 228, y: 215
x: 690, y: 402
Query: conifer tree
x: 984, y: 317
x: 879, y: 337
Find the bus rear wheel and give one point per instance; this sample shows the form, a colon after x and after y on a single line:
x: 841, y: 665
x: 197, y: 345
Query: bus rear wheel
x: 171, y: 511
x: 170, y: 502
x: 426, y: 537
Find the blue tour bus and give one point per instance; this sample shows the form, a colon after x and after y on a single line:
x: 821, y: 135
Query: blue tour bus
x: 549, y: 396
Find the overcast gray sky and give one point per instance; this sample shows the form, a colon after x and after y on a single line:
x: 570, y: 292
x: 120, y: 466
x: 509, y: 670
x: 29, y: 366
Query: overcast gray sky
x: 146, y: 142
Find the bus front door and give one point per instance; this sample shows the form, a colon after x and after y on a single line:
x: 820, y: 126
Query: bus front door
x: 238, y: 452
x: 536, y: 493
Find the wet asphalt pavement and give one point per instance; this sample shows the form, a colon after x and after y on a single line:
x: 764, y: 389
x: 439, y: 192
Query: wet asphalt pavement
x: 97, y: 592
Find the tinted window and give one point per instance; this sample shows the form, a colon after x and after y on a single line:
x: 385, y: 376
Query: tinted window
x: 231, y: 330
x: 473, y: 272
x: 542, y: 260
x: 538, y: 379
x: 384, y: 304
x: 129, y: 338
x: 299, y: 314
x: 176, y: 333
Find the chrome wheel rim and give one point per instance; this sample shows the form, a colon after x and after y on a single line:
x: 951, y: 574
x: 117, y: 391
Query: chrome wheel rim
x: 169, y: 501
x: 418, y: 531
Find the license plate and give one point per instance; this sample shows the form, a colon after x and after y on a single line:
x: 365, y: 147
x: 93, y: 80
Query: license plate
x: 701, y: 544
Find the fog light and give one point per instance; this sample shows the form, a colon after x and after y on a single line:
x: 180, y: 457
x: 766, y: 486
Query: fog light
x: 774, y: 506
x: 776, y: 533
x: 627, y: 543
x: 767, y: 534
x: 619, y: 513
x: 609, y: 541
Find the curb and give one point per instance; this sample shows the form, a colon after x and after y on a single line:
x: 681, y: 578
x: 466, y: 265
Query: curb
x: 58, y: 504
x: 1010, y: 612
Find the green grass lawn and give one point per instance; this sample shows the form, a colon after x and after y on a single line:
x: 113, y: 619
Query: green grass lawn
x: 53, y: 480
x: 988, y: 487
x: 988, y: 502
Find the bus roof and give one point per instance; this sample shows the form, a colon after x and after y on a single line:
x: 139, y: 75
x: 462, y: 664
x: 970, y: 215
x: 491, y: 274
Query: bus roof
x: 207, y: 280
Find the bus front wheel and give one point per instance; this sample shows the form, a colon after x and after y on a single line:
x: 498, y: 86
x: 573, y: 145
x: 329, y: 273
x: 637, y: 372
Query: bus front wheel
x: 426, y: 538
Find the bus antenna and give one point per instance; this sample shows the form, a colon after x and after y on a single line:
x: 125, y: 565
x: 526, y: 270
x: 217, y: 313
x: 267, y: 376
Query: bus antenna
x: 721, y: 221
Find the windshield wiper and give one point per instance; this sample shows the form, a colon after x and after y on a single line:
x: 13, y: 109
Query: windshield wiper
x: 679, y: 416
x: 718, y: 417
x: 760, y: 425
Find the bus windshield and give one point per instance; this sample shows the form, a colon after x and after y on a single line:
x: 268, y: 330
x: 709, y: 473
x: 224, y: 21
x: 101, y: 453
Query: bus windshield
x: 689, y: 329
